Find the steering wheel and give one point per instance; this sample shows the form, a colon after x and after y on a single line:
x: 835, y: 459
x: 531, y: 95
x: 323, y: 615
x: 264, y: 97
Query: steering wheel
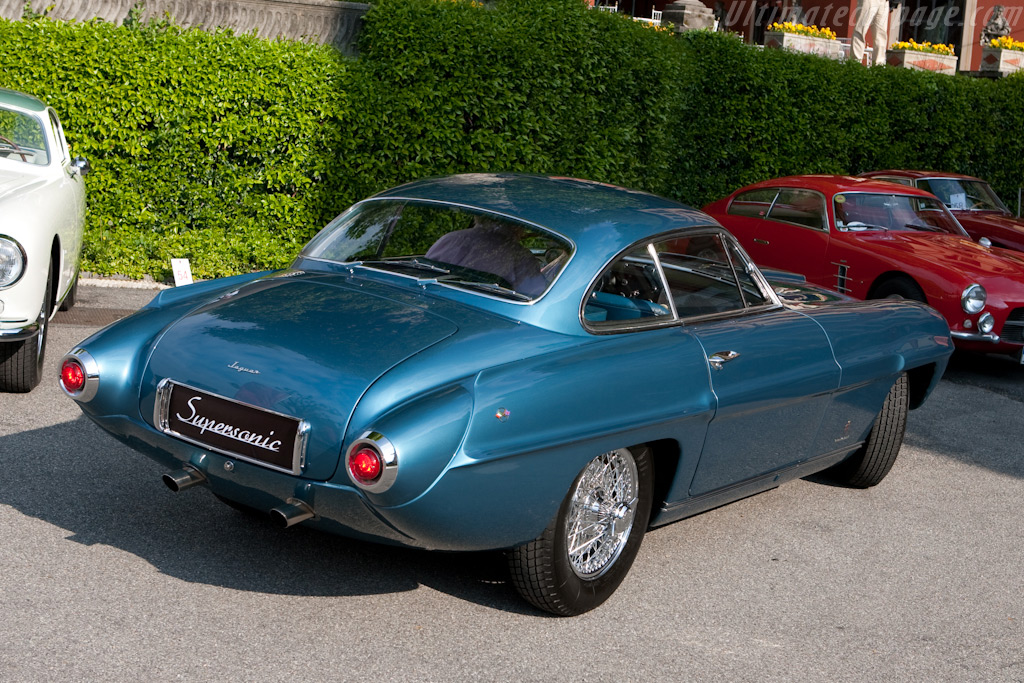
x: 15, y: 148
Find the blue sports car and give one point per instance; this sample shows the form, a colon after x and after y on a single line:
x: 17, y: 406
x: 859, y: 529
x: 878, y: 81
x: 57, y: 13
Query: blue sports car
x: 544, y: 365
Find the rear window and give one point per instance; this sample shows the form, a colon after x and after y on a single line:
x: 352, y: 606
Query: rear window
x: 452, y: 245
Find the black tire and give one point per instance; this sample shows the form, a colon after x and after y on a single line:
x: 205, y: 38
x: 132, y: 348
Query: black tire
x: 900, y: 288
x: 872, y: 462
x: 71, y: 298
x: 543, y: 571
x: 21, y: 362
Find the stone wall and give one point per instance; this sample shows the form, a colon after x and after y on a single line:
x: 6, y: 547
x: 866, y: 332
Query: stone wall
x: 316, y: 21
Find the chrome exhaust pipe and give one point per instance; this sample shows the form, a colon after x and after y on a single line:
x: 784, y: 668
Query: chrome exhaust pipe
x: 294, y: 512
x: 186, y: 477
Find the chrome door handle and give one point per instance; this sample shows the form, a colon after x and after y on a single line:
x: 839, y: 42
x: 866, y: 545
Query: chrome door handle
x: 760, y: 241
x: 717, y: 360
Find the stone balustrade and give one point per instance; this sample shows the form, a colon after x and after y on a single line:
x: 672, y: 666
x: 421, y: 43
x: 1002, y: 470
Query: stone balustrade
x: 316, y: 21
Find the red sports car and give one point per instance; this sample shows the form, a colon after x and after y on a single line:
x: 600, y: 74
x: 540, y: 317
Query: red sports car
x: 872, y: 239
x: 971, y: 200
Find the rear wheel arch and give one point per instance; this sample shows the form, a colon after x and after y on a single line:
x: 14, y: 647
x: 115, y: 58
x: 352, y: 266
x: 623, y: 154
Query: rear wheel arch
x: 666, y: 454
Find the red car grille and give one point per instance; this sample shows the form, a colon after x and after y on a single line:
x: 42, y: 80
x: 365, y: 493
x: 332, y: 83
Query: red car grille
x: 1013, y: 330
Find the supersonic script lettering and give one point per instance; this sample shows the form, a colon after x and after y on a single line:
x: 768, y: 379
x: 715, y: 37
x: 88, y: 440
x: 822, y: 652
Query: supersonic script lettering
x: 204, y: 424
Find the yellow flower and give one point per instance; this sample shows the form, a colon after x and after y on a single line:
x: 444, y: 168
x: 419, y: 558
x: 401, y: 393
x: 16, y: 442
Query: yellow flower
x: 800, y: 29
x: 1006, y: 43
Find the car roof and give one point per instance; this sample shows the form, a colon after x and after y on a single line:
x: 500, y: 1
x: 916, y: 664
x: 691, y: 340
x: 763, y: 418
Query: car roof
x: 832, y: 184
x: 596, y: 216
x: 922, y: 174
x: 21, y: 100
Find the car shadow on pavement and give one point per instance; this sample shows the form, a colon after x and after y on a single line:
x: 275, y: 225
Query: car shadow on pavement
x: 78, y: 478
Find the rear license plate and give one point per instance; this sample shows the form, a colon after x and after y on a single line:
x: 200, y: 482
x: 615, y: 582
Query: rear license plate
x: 231, y: 427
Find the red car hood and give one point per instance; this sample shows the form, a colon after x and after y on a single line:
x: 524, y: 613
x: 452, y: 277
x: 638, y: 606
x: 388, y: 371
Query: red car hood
x: 998, y: 227
x: 948, y: 251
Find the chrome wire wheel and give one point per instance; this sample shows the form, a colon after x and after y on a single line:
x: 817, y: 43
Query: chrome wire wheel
x: 601, y: 513
x: 586, y: 551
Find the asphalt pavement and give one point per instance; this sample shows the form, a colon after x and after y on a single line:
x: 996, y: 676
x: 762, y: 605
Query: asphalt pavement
x: 107, y: 575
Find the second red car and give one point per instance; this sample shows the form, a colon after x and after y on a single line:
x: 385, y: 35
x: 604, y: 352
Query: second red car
x: 875, y: 239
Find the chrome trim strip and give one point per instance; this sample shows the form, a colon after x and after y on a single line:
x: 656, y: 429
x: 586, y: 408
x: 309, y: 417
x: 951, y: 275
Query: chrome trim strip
x: 664, y: 280
x: 160, y: 421
x: 301, y: 439
x: 974, y: 336
x: 161, y: 407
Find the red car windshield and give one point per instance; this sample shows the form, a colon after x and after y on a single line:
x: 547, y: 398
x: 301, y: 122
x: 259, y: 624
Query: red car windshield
x: 869, y: 211
x: 963, y: 194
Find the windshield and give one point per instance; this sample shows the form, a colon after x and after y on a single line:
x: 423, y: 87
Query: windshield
x: 963, y: 194
x: 867, y: 211
x: 22, y: 138
x: 449, y: 245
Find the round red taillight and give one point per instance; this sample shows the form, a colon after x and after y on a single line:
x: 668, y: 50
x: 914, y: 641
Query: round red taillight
x: 72, y: 376
x: 365, y: 465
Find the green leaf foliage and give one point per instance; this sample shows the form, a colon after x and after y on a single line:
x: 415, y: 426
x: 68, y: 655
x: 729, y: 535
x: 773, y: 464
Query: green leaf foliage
x: 232, y: 150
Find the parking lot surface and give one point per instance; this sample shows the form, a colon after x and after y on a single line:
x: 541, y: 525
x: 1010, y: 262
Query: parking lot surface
x: 107, y: 575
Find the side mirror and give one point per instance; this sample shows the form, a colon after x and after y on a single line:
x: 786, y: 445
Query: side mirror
x: 985, y: 242
x: 80, y: 165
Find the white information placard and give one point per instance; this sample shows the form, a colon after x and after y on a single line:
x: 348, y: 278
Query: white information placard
x: 182, y: 271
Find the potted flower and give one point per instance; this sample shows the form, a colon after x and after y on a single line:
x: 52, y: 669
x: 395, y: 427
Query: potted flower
x: 922, y: 56
x: 801, y: 38
x: 1003, y: 54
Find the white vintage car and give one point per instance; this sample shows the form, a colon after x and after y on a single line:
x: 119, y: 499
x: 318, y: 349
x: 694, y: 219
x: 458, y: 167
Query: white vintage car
x: 42, y: 212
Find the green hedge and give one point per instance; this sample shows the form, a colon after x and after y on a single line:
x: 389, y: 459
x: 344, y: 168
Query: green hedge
x: 232, y: 150
x: 752, y: 114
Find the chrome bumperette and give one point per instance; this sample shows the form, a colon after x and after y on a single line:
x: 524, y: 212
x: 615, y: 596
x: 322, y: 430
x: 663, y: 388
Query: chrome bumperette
x: 19, y: 333
x: 388, y: 456
x: 974, y: 336
x: 92, y: 375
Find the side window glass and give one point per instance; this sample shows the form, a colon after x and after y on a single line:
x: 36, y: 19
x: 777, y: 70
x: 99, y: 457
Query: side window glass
x: 700, y: 277
x: 754, y: 203
x: 802, y: 207
x: 629, y: 291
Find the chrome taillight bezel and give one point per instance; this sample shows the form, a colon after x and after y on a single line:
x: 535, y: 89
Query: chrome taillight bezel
x: 388, y: 458
x: 92, y: 375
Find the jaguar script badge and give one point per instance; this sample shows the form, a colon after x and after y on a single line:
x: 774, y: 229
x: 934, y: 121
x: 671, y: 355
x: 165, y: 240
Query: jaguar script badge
x: 239, y: 368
